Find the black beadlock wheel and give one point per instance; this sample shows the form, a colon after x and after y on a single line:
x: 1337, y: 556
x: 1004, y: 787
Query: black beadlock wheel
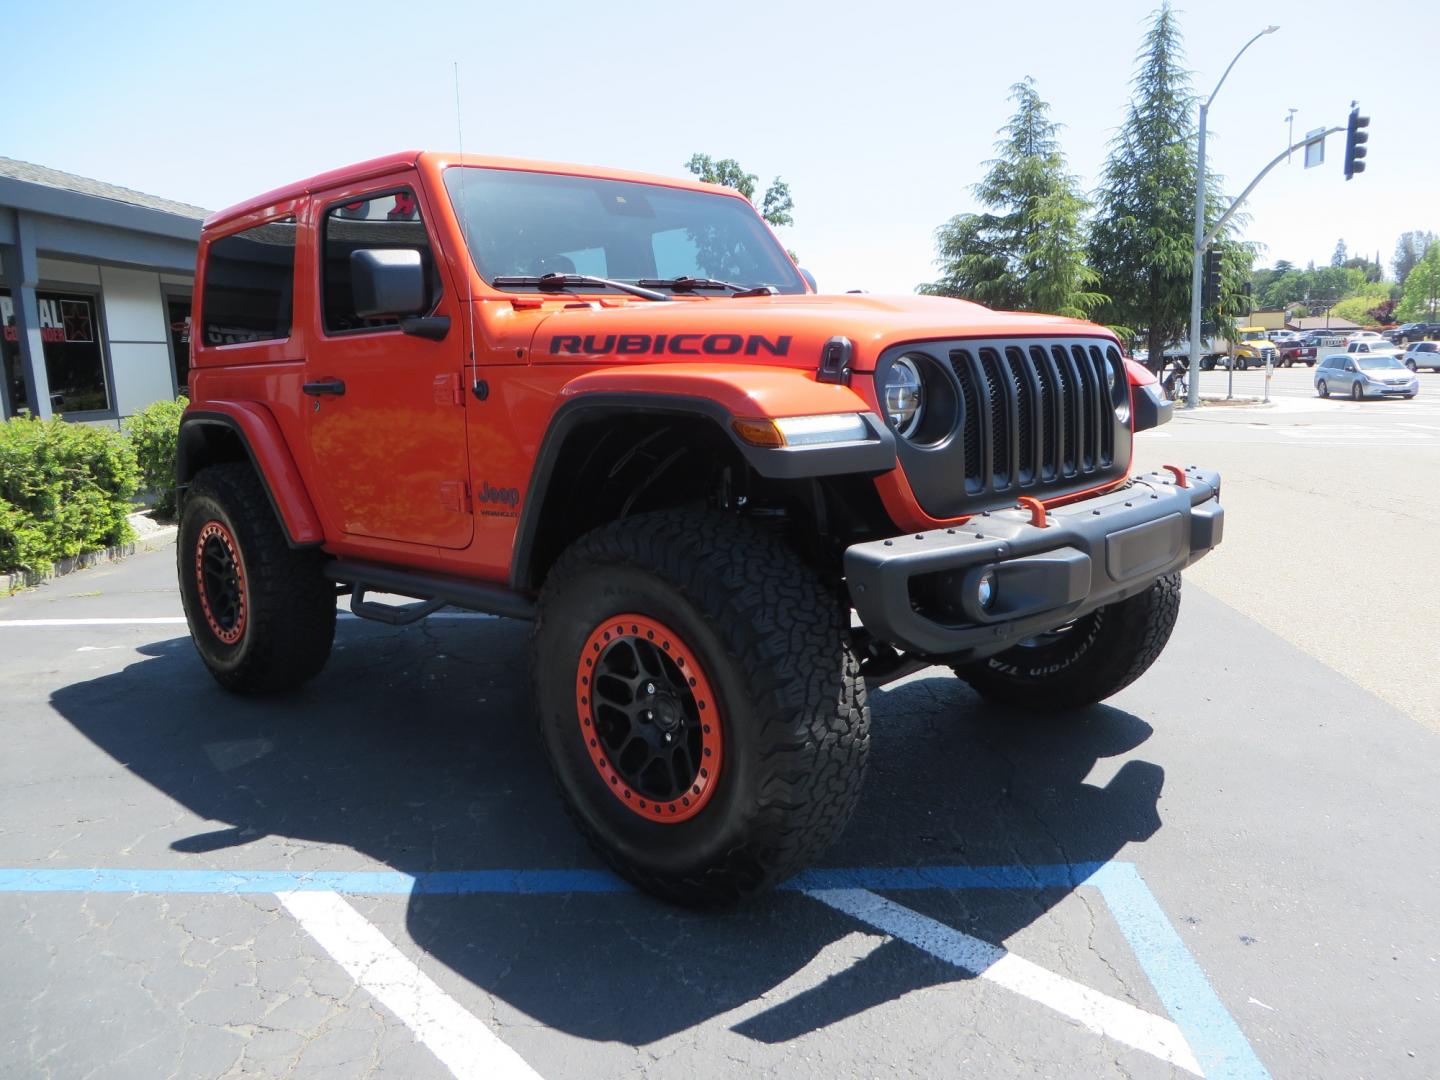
x: 1094, y: 657
x: 261, y: 614
x: 699, y: 703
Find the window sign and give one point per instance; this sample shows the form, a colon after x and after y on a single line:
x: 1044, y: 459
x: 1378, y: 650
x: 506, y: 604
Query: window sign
x: 74, y: 358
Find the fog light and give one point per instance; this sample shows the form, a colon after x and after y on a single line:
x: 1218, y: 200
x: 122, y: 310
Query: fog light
x: 985, y: 590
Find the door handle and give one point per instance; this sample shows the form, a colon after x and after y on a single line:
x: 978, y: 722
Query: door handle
x: 325, y: 386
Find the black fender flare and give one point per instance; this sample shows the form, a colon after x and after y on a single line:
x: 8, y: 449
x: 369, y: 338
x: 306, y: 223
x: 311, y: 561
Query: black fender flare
x: 874, y: 456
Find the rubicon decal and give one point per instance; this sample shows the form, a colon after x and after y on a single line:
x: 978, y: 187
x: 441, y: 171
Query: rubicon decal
x: 683, y: 344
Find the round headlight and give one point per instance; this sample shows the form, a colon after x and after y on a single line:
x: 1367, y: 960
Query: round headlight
x: 903, y: 396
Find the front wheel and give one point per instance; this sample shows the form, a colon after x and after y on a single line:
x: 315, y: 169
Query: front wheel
x: 261, y: 613
x: 1412, y: 365
x: 1097, y: 655
x: 1356, y: 393
x: 699, y: 703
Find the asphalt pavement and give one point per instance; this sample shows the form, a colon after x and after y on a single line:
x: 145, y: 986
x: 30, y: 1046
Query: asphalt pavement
x: 1227, y: 870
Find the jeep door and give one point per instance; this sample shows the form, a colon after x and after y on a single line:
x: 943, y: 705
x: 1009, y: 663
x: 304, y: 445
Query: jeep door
x: 386, y: 411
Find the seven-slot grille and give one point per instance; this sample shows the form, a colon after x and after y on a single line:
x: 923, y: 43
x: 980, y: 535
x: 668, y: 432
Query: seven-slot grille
x: 1016, y: 416
x: 1034, y: 412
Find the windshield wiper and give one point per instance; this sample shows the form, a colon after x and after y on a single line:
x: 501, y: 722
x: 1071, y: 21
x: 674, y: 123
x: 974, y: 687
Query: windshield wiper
x: 685, y: 283
x: 555, y: 282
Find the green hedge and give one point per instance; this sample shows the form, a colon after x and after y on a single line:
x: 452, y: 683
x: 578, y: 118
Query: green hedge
x: 64, y: 489
x: 154, y: 432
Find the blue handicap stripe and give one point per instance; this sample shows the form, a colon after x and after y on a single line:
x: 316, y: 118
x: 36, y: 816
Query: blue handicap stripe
x: 1219, y: 1045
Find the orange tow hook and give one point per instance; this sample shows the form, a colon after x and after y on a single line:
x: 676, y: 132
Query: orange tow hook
x: 1037, y: 511
x: 1181, y: 480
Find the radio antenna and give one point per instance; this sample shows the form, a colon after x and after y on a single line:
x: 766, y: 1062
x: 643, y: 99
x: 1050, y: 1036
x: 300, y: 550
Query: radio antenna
x: 469, y: 259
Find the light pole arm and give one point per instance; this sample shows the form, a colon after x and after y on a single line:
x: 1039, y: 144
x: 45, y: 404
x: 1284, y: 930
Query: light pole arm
x: 1239, y: 54
x: 1209, y: 237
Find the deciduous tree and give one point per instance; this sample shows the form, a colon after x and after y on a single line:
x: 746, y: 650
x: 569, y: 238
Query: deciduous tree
x: 1421, y: 298
x: 1409, y: 250
x: 776, y: 204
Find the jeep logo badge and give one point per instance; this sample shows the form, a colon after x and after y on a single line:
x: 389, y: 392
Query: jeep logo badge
x: 508, y: 497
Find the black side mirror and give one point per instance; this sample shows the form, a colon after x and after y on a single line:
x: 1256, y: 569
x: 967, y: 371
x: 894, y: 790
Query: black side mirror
x: 387, y: 283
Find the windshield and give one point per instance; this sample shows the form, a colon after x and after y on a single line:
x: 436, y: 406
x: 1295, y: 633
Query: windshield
x: 529, y: 224
x: 1377, y: 362
x: 1253, y: 335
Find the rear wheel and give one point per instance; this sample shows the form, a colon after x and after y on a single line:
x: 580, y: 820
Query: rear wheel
x: 1097, y: 655
x: 699, y: 703
x: 261, y: 614
x: 1323, y: 388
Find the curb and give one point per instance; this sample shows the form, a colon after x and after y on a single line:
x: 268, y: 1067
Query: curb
x: 149, y: 541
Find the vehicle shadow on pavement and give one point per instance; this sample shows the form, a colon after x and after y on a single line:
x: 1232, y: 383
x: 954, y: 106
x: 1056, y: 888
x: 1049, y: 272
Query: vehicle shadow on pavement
x: 415, y: 748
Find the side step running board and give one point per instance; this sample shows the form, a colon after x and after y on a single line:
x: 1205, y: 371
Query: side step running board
x: 431, y: 592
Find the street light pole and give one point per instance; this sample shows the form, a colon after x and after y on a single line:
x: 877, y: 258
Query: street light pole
x: 1197, y: 268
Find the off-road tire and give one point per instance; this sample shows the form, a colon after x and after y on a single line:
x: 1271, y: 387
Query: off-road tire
x: 288, y: 625
x: 1098, y: 656
x: 772, y: 639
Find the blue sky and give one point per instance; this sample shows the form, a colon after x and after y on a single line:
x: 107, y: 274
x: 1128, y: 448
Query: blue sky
x: 878, y: 115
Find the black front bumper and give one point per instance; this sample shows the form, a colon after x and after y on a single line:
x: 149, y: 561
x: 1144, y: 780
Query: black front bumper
x: 920, y: 592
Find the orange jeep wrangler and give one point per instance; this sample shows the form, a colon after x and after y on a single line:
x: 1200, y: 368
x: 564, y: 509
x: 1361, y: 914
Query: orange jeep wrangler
x: 611, y: 404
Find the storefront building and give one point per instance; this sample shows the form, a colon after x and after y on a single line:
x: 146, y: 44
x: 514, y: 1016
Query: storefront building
x: 95, y: 288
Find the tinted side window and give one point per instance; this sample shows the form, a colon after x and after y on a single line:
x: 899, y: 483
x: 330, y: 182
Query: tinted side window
x: 249, y: 288
x: 380, y: 221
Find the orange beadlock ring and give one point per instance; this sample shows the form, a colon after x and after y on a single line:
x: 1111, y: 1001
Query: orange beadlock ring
x: 224, y: 557
x: 646, y: 709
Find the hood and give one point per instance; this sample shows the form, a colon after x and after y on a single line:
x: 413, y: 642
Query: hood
x: 783, y: 330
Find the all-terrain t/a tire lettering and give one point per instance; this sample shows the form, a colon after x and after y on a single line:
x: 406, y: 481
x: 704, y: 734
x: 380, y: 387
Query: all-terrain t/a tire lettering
x: 746, y: 650
x: 261, y: 614
x: 1096, y: 656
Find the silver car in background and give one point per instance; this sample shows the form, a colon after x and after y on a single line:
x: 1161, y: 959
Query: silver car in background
x: 1361, y: 375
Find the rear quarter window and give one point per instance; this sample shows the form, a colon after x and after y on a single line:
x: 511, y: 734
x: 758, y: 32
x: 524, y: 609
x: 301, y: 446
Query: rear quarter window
x: 249, y: 289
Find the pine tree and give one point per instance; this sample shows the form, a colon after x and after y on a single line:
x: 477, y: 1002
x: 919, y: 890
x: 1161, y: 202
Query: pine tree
x: 1028, y: 252
x: 1142, y: 239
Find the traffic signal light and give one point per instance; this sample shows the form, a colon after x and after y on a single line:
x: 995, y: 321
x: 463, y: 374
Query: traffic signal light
x: 1210, y: 294
x: 1355, y: 139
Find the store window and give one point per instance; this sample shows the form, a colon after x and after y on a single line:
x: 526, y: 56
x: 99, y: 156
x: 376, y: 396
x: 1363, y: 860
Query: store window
x: 177, y: 317
x: 249, y: 287
x: 74, y: 355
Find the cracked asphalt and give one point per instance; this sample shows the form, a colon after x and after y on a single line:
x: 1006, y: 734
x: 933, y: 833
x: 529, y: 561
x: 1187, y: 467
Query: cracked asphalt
x: 1284, y: 817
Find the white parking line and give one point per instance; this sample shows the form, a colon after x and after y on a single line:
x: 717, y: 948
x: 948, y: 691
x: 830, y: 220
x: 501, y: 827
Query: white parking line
x: 179, y: 620
x: 469, y: 1049
x: 1104, y: 1015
